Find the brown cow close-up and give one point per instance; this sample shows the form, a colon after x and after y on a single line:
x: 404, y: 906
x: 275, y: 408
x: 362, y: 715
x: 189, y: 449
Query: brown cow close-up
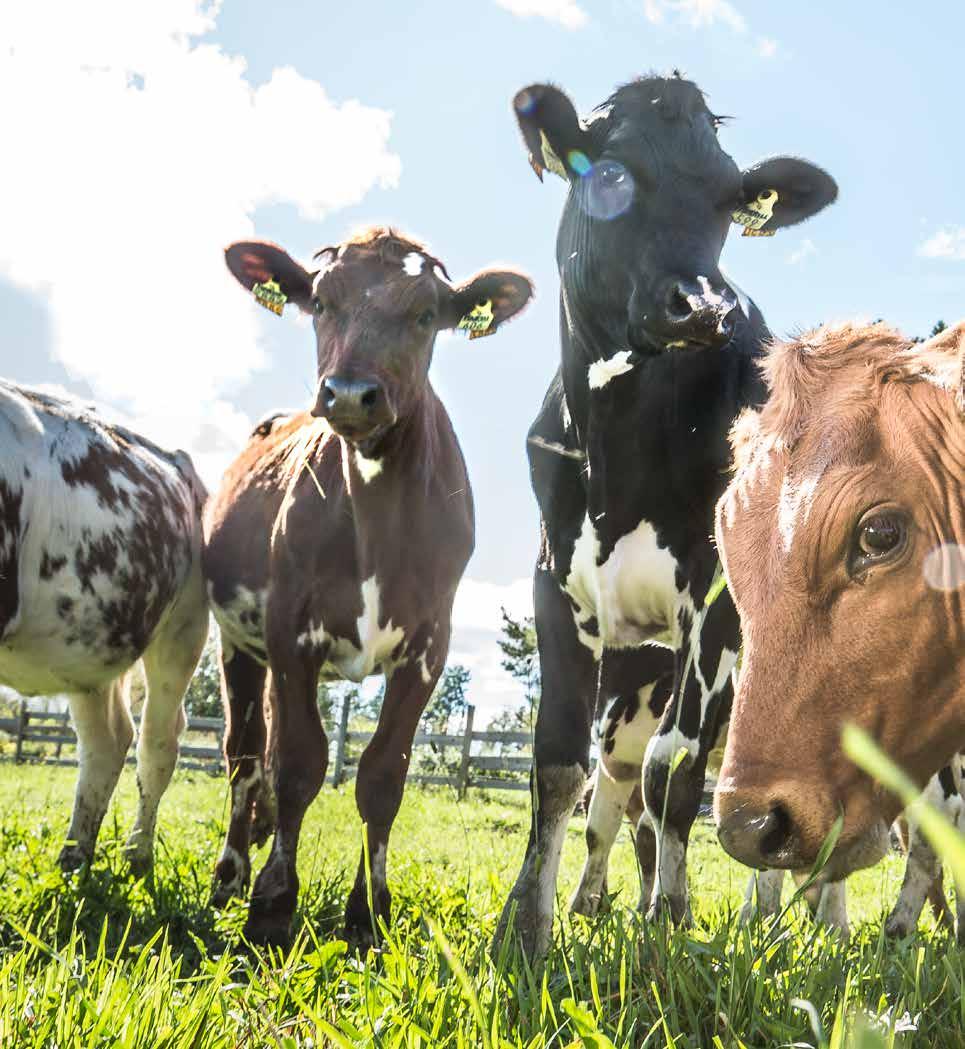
x: 842, y: 535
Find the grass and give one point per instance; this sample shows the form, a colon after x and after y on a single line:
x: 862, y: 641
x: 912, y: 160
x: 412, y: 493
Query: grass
x: 111, y: 962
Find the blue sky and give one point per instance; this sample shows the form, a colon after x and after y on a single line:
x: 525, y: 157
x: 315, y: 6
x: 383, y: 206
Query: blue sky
x: 152, y: 133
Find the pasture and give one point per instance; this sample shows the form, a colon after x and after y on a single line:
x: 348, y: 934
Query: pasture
x: 101, y: 960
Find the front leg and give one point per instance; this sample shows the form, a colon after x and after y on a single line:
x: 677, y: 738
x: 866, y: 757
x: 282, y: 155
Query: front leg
x: 301, y: 760
x: 380, y: 782
x: 561, y: 756
x: 676, y: 759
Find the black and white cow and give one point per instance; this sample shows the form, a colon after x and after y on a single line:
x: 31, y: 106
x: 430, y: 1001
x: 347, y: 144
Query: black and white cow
x: 100, y: 566
x: 628, y: 457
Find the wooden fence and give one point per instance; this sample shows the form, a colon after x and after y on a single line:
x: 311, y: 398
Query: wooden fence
x: 43, y: 736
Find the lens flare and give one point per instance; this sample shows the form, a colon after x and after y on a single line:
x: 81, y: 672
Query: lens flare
x: 605, y: 188
x: 525, y: 102
x: 944, y: 567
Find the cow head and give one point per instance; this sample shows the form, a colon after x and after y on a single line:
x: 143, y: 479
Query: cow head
x: 843, y: 538
x: 377, y: 302
x: 652, y: 197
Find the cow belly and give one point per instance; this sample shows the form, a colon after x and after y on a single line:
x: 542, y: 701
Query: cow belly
x: 631, y: 595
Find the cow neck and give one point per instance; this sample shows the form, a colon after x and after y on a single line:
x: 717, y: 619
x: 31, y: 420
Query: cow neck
x: 394, y: 508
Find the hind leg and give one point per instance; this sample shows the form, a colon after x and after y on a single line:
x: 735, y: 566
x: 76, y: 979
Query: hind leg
x: 104, y: 733
x: 244, y: 687
x: 766, y: 887
x: 169, y: 662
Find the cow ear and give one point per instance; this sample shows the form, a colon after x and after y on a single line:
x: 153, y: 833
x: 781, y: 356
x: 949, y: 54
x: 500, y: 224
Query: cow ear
x: 552, y: 132
x: 482, y: 303
x: 270, y: 274
x: 944, y: 353
x: 782, y: 191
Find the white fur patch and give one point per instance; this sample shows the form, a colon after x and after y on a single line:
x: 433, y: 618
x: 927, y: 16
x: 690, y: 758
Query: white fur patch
x: 413, y: 263
x: 795, y: 500
x: 368, y: 468
x: 601, y: 372
x: 377, y: 642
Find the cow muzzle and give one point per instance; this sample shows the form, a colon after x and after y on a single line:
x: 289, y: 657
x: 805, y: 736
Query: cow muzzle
x: 692, y: 314
x: 356, y: 409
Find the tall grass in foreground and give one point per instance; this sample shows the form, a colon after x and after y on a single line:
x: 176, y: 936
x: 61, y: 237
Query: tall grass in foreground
x: 110, y: 962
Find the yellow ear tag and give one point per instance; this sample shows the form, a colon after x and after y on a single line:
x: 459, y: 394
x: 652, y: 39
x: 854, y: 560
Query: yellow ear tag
x: 757, y: 213
x: 270, y: 296
x: 479, y: 320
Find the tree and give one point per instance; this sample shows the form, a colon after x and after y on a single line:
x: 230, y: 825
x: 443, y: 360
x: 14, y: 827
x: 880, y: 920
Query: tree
x: 937, y: 329
x: 521, y: 659
x: 203, y: 696
x: 449, y: 699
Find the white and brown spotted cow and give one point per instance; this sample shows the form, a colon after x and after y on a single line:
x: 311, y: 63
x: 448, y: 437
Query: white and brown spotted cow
x: 843, y: 537
x: 335, y: 545
x: 100, y: 566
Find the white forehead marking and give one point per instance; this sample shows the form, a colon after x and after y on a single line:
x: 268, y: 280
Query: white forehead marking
x: 368, y: 468
x: 413, y: 263
x: 794, y: 499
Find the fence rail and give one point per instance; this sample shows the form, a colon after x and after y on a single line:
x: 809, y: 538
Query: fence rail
x: 44, y: 735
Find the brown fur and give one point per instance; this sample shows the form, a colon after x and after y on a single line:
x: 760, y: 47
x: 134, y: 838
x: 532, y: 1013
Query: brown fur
x: 858, y: 418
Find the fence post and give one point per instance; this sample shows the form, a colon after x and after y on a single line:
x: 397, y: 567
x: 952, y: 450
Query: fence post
x: 338, y: 773
x: 466, y: 746
x: 22, y: 718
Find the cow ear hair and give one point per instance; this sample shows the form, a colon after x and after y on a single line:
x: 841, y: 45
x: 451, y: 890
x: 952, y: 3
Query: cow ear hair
x: 947, y: 350
x: 257, y: 263
x: 552, y: 131
x: 802, y: 190
x: 482, y: 303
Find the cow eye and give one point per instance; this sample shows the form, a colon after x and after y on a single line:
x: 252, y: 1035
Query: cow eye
x: 881, y: 536
x: 425, y: 318
x: 606, y: 190
x: 318, y: 306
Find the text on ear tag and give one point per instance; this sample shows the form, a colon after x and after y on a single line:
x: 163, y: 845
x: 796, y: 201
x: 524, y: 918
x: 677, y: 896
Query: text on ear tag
x: 550, y: 159
x: 479, y: 320
x: 270, y: 295
x: 757, y: 213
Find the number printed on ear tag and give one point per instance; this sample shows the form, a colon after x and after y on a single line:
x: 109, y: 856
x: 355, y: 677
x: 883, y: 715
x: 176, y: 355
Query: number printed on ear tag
x: 757, y: 213
x: 479, y: 320
x: 270, y: 296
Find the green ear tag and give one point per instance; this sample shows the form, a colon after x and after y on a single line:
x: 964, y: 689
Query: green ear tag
x: 270, y: 296
x: 479, y: 320
x: 757, y: 213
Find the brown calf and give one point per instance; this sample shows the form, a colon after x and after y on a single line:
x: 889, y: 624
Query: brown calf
x: 843, y: 538
x: 335, y: 545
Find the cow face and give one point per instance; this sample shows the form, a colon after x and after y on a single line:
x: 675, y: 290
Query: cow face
x: 652, y: 197
x: 843, y: 538
x: 377, y: 303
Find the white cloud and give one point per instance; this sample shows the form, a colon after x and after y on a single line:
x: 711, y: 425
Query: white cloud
x: 805, y: 250
x: 696, y: 13
x: 947, y: 243
x: 567, y: 13
x: 476, y: 627
x: 141, y: 153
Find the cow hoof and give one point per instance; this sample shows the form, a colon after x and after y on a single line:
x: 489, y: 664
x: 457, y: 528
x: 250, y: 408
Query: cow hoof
x: 897, y: 928
x: 270, y: 918
x: 72, y: 858
x: 230, y: 880
x: 360, y: 937
x: 586, y: 903
x: 139, y: 863
x: 670, y: 909
x: 530, y: 929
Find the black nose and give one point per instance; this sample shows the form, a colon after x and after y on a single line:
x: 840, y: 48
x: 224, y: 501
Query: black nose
x: 758, y: 838
x: 698, y: 312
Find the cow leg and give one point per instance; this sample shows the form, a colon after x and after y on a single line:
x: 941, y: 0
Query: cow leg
x: 264, y: 817
x: 169, y: 662
x: 379, y: 784
x: 102, y: 719
x: 243, y: 683
x: 301, y: 758
x: 923, y: 868
x: 646, y: 843
x: 763, y: 896
x: 831, y: 907
x: 561, y: 756
x: 627, y: 727
x: 677, y: 754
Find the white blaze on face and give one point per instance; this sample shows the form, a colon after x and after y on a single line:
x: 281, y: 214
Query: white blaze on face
x: 413, y: 263
x: 601, y: 372
x: 795, y: 500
